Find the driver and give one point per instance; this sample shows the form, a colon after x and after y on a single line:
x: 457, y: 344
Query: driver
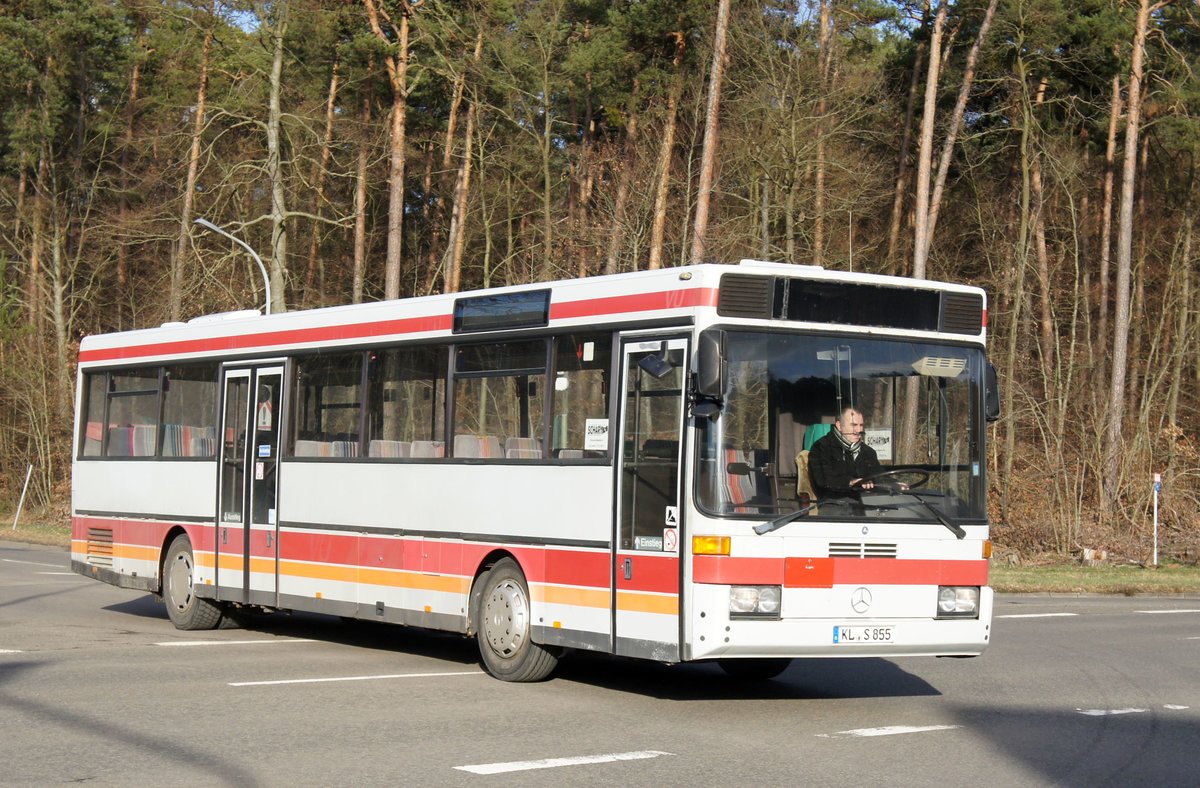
x: 841, y: 460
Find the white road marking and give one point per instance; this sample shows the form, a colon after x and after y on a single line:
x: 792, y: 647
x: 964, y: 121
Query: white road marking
x: 54, y: 573
x: 1038, y: 615
x: 890, y: 730
x: 355, y: 678
x: 552, y: 763
x: 1110, y: 712
x: 30, y: 563
x: 1173, y: 707
x: 1164, y: 612
x: 11, y: 651
x: 231, y: 642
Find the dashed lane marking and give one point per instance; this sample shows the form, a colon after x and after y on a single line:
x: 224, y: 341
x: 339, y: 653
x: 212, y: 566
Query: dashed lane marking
x: 553, y: 763
x: 1038, y: 615
x: 355, y: 678
x: 11, y: 651
x: 1164, y: 612
x: 31, y: 563
x: 890, y: 730
x: 1110, y: 712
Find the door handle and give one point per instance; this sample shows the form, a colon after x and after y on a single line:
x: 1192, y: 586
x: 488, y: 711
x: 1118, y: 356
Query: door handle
x: 628, y: 568
x: 269, y: 538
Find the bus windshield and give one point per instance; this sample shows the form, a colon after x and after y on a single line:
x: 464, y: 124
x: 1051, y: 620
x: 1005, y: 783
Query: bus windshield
x: 921, y: 404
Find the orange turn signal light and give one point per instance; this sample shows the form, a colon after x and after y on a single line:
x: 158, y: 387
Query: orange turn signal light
x: 710, y: 545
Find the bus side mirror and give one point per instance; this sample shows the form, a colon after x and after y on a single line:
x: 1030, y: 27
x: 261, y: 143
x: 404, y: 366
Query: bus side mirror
x: 991, y: 394
x: 710, y: 364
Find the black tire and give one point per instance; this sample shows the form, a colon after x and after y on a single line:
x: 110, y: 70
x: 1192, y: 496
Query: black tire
x: 185, y: 609
x: 505, y: 625
x: 759, y: 669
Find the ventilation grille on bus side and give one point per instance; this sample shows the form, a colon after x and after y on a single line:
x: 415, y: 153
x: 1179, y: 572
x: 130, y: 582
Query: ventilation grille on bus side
x: 861, y: 550
x: 100, y: 547
x: 962, y: 313
x: 746, y: 296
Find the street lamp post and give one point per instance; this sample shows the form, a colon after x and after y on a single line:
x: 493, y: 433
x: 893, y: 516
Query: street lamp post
x: 257, y: 259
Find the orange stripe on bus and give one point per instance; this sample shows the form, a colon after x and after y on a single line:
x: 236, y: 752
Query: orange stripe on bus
x: 565, y: 595
x: 647, y: 603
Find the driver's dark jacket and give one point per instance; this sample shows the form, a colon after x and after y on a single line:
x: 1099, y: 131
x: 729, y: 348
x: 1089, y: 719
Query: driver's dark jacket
x: 832, y: 466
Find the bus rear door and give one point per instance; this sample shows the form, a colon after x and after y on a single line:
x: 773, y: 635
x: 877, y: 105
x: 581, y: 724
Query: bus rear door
x: 247, y: 528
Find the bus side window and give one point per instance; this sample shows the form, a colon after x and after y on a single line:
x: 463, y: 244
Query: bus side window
x: 328, y: 404
x: 406, y: 402
x: 580, y: 396
x: 500, y: 394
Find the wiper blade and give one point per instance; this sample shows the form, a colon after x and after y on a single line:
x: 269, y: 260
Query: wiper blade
x: 784, y: 519
x: 955, y: 529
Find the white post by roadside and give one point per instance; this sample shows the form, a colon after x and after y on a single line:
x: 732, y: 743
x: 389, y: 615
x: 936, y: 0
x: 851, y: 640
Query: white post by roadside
x: 1157, y: 488
x: 24, y: 489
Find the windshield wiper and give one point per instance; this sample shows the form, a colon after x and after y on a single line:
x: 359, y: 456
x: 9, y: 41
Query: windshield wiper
x: 784, y: 519
x: 955, y: 529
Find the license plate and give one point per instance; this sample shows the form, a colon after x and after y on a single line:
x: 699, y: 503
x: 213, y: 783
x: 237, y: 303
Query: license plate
x: 863, y: 634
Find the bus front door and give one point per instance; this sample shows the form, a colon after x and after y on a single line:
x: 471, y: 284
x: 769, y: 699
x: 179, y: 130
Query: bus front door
x: 247, y: 535
x: 648, y: 528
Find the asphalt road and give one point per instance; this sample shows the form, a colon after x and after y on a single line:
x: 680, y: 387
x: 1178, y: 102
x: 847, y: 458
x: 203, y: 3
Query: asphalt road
x: 97, y: 687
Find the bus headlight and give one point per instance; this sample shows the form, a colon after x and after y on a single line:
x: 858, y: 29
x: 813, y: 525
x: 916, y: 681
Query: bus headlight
x: 958, y: 602
x: 754, y: 601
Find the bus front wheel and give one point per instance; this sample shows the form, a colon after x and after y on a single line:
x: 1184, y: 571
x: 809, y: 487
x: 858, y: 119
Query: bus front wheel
x: 505, y: 627
x: 185, y: 609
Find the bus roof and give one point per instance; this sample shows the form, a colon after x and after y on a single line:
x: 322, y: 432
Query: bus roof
x: 652, y: 297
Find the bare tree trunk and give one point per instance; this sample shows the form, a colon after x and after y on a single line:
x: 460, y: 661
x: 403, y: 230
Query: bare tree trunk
x: 1137, y: 362
x: 360, y: 190
x: 1116, y: 392
x: 960, y: 107
x: 434, y: 253
x: 314, y: 241
x: 1043, y: 257
x: 824, y: 61
x: 277, y: 264
x: 663, y: 169
x: 617, y: 235
x: 462, y: 191
x: 708, y: 153
x: 397, y: 67
x: 1110, y: 155
x: 180, y: 249
x: 1182, y: 331
x: 123, y: 220
x: 925, y: 154
x: 902, y: 162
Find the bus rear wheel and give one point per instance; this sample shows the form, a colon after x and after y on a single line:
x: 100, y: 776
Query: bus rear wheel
x: 184, y: 608
x: 759, y: 669
x: 505, y: 627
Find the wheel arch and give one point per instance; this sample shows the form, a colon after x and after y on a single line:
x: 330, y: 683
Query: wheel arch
x: 485, y: 565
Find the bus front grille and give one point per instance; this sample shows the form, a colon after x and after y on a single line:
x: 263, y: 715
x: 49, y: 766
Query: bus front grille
x: 861, y: 550
x: 100, y: 547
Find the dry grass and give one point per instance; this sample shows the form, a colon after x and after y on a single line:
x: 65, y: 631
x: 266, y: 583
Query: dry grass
x: 1071, y: 578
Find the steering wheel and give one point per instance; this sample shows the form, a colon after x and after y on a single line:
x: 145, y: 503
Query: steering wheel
x: 890, y: 485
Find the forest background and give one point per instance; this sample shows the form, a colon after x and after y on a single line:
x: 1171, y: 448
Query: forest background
x: 1046, y: 150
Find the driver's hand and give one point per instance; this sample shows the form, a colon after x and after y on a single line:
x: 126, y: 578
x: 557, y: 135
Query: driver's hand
x: 863, y: 485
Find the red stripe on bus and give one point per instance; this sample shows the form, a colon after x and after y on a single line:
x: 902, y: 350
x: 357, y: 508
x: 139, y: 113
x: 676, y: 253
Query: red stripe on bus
x: 590, y: 307
x: 799, y: 572
x: 298, y: 336
x: 641, y: 302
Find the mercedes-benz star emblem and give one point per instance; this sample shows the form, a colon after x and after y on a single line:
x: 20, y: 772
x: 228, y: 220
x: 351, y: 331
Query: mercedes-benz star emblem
x: 860, y: 600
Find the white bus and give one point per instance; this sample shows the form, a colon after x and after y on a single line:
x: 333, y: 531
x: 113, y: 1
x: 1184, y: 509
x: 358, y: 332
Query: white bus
x: 615, y: 464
